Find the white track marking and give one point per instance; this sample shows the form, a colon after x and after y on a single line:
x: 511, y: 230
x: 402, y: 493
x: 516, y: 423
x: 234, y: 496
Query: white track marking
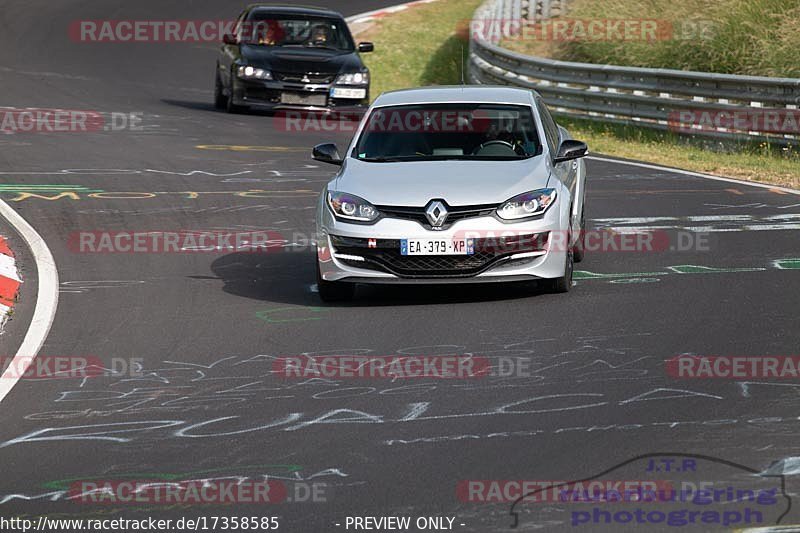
x: 47, y: 297
x: 695, y: 174
x: 46, y: 300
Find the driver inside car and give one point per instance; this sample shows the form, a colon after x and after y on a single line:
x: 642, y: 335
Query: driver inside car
x: 500, y: 140
x: 320, y: 36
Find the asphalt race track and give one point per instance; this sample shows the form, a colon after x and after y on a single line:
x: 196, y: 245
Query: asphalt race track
x: 207, y: 327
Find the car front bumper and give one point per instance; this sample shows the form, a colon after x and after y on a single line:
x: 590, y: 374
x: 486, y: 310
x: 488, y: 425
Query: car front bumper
x: 338, y: 242
x: 307, y: 97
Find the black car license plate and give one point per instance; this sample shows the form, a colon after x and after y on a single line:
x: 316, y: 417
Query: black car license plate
x: 304, y: 99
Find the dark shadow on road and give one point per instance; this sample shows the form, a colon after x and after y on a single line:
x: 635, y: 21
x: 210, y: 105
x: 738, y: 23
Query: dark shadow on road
x: 289, y: 277
x: 209, y: 106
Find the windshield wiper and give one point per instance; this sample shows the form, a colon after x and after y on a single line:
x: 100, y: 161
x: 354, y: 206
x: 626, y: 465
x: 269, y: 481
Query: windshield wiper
x: 322, y: 46
x: 444, y: 158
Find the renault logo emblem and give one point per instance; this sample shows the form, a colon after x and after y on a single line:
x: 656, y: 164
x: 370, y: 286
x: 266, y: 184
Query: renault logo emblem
x: 436, y: 213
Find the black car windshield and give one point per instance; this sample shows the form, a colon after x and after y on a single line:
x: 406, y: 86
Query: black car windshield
x: 448, y: 131
x: 265, y: 29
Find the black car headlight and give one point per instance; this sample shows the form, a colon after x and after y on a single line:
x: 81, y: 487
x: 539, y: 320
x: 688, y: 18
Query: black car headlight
x: 353, y: 78
x: 253, y: 73
x: 350, y: 207
x: 529, y: 204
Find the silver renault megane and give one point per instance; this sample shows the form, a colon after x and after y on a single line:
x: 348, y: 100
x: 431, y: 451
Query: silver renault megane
x: 452, y: 185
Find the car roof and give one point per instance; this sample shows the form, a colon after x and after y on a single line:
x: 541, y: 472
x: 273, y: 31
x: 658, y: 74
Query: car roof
x: 442, y: 94
x: 283, y: 9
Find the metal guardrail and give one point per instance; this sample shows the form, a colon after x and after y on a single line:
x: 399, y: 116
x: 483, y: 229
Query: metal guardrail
x: 663, y: 99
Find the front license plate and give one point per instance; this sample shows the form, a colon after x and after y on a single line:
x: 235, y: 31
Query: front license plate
x: 437, y: 246
x: 342, y: 92
x: 304, y: 99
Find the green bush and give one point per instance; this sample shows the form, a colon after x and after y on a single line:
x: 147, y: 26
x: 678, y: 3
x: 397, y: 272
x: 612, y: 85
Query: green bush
x: 755, y: 37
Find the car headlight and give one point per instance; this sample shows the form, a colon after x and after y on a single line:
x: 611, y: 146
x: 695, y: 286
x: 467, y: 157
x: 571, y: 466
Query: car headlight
x: 528, y: 204
x: 351, y: 207
x: 253, y: 73
x: 354, y: 78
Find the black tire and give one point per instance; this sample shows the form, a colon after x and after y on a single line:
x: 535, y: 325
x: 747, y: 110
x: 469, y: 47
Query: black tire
x: 334, y: 291
x: 579, y: 250
x: 220, y: 102
x: 230, y: 107
x: 564, y: 283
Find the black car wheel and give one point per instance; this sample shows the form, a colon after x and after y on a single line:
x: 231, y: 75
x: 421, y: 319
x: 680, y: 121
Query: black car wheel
x: 220, y: 102
x: 564, y: 283
x: 230, y: 107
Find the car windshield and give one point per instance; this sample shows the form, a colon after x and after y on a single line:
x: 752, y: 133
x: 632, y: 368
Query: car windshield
x: 449, y: 131
x: 264, y: 29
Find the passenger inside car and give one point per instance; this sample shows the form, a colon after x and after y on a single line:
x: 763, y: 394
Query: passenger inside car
x: 270, y: 33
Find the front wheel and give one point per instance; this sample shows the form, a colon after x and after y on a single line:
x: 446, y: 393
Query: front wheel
x: 564, y: 283
x: 219, y: 94
x: 334, y: 291
x: 231, y: 107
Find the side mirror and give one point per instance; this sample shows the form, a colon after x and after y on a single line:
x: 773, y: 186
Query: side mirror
x: 366, y: 47
x: 327, y: 153
x: 571, y: 149
x: 229, y: 38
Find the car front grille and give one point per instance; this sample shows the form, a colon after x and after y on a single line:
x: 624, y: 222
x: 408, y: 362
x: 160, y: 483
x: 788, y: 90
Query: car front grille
x: 385, y: 256
x: 260, y: 94
x: 304, y: 77
x: 454, y: 214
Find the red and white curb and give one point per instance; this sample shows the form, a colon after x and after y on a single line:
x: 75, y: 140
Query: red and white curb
x: 9, y: 282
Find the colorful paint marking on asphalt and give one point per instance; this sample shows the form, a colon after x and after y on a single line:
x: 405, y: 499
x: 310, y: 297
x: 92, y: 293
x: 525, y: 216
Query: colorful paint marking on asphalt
x: 19, y: 193
x: 617, y: 277
x: 702, y: 223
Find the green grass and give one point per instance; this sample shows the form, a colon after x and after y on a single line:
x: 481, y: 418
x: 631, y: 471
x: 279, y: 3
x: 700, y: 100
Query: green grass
x: 755, y: 37
x: 419, y: 46
x: 752, y: 162
x: 423, y: 46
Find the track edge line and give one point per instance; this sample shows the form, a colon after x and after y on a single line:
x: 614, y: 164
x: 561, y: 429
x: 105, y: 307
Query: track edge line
x: 46, y: 299
x: 695, y: 174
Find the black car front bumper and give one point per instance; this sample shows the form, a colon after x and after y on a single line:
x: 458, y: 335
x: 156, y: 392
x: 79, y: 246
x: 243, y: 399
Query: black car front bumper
x: 275, y: 94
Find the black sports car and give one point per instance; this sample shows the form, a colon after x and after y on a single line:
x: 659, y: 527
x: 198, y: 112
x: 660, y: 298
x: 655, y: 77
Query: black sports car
x: 291, y: 58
